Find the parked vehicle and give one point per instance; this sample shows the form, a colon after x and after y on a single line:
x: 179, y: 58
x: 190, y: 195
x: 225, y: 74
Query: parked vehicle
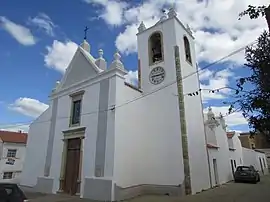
x: 246, y: 174
x: 10, y: 192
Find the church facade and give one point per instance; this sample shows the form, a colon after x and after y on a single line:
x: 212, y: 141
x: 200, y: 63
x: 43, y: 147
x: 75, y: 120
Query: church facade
x: 105, y: 139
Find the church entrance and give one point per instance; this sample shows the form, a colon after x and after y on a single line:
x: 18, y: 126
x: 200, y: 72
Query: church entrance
x: 72, y: 166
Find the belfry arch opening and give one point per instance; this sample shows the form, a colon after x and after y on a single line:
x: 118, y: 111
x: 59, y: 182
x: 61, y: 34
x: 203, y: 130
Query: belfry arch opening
x: 187, y: 50
x: 155, y: 48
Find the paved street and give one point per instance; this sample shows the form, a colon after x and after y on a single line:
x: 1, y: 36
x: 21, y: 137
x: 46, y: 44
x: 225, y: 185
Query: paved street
x: 231, y: 192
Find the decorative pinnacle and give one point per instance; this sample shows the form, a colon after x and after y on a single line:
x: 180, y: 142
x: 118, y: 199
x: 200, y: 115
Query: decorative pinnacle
x: 172, y: 12
x: 117, y: 56
x: 141, y: 27
x: 100, y: 53
x: 164, y: 15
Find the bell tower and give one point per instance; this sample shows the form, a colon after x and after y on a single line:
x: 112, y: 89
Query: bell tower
x: 167, y: 67
x: 156, y: 51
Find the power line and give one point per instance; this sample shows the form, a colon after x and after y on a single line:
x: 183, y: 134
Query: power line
x: 217, y: 90
x: 140, y: 97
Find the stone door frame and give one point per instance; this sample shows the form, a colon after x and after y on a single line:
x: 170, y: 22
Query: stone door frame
x: 71, y: 134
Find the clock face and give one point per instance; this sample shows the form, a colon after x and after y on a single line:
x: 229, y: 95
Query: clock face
x: 157, y: 75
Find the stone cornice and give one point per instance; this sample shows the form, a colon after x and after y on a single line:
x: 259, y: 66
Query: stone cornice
x: 90, y: 81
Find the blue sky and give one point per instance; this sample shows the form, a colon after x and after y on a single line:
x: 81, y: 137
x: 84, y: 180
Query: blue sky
x: 38, y: 38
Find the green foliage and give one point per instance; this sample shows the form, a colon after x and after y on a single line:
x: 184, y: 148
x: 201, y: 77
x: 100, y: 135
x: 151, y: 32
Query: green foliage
x: 253, y: 12
x: 255, y: 103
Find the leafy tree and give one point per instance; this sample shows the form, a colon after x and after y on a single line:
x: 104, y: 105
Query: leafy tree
x: 255, y: 103
x: 257, y: 11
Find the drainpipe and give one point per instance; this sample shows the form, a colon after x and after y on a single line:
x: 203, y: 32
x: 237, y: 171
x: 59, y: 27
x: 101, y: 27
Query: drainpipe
x: 205, y: 136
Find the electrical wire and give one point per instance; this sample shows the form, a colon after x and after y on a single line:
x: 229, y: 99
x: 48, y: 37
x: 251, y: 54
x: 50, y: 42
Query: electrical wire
x: 5, y: 126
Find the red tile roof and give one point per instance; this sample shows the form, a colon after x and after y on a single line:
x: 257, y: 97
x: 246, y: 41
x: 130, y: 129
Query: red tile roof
x: 13, y: 137
x: 211, y: 146
x: 230, y: 134
x: 133, y: 87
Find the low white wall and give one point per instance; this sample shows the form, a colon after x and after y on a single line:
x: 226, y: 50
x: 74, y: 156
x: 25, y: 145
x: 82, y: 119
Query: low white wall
x: 148, y: 148
x: 36, y: 149
x: 252, y: 157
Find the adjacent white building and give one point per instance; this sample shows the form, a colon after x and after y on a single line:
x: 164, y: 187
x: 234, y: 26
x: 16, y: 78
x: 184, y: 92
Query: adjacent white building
x: 226, y: 152
x: 104, y: 139
x: 12, y: 155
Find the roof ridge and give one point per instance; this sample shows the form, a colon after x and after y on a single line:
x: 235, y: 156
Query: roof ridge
x: 18, y: 132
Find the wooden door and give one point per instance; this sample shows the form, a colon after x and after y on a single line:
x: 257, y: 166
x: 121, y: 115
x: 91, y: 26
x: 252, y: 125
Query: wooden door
x: 72, y: 166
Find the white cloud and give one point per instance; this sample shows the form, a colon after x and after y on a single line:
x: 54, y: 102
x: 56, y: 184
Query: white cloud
x: 15, y: 127
x: 44, y: 22
x: 122, y: 38
x: 216, y: 80
x: 112, y: 11
x: 60, y: 54
x: 22, y: 34
x: 205, y: 74
x: 215, y: 35
x: 233, y: 119
x: 132, y: 77
x: 29, y: 107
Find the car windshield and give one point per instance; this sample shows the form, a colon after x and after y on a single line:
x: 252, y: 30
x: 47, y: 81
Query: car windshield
x: 242, y: 168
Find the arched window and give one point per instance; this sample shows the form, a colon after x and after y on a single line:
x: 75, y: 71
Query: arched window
x: 155, y: 48
x: 187, y: 49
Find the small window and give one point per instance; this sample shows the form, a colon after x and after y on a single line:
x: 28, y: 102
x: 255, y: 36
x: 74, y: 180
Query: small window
x: 187, y: 50
x: 76, y: 112
x: 245, y: 168
x: 10, y: 161
x: 11, y: 153
x: 234, y: 162
x: 155, y: 48
x: 76, y: 105
x: 7, y: 175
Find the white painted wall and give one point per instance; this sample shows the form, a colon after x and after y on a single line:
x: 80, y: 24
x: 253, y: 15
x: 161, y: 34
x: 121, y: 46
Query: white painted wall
x: 88, y: 119
x: 222, y: 155
x: 148, y: 146
x: 158, y: 114
x: 199, y: 167
x: 237, y: 154
x: 211, y: 136
x: 251, y: 157
x: 18, y: 164
x: 36, y: 149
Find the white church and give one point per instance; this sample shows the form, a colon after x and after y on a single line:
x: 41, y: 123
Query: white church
x: 105, y: 139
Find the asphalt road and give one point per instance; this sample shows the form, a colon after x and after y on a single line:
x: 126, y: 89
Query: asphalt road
x: 231, y: 192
